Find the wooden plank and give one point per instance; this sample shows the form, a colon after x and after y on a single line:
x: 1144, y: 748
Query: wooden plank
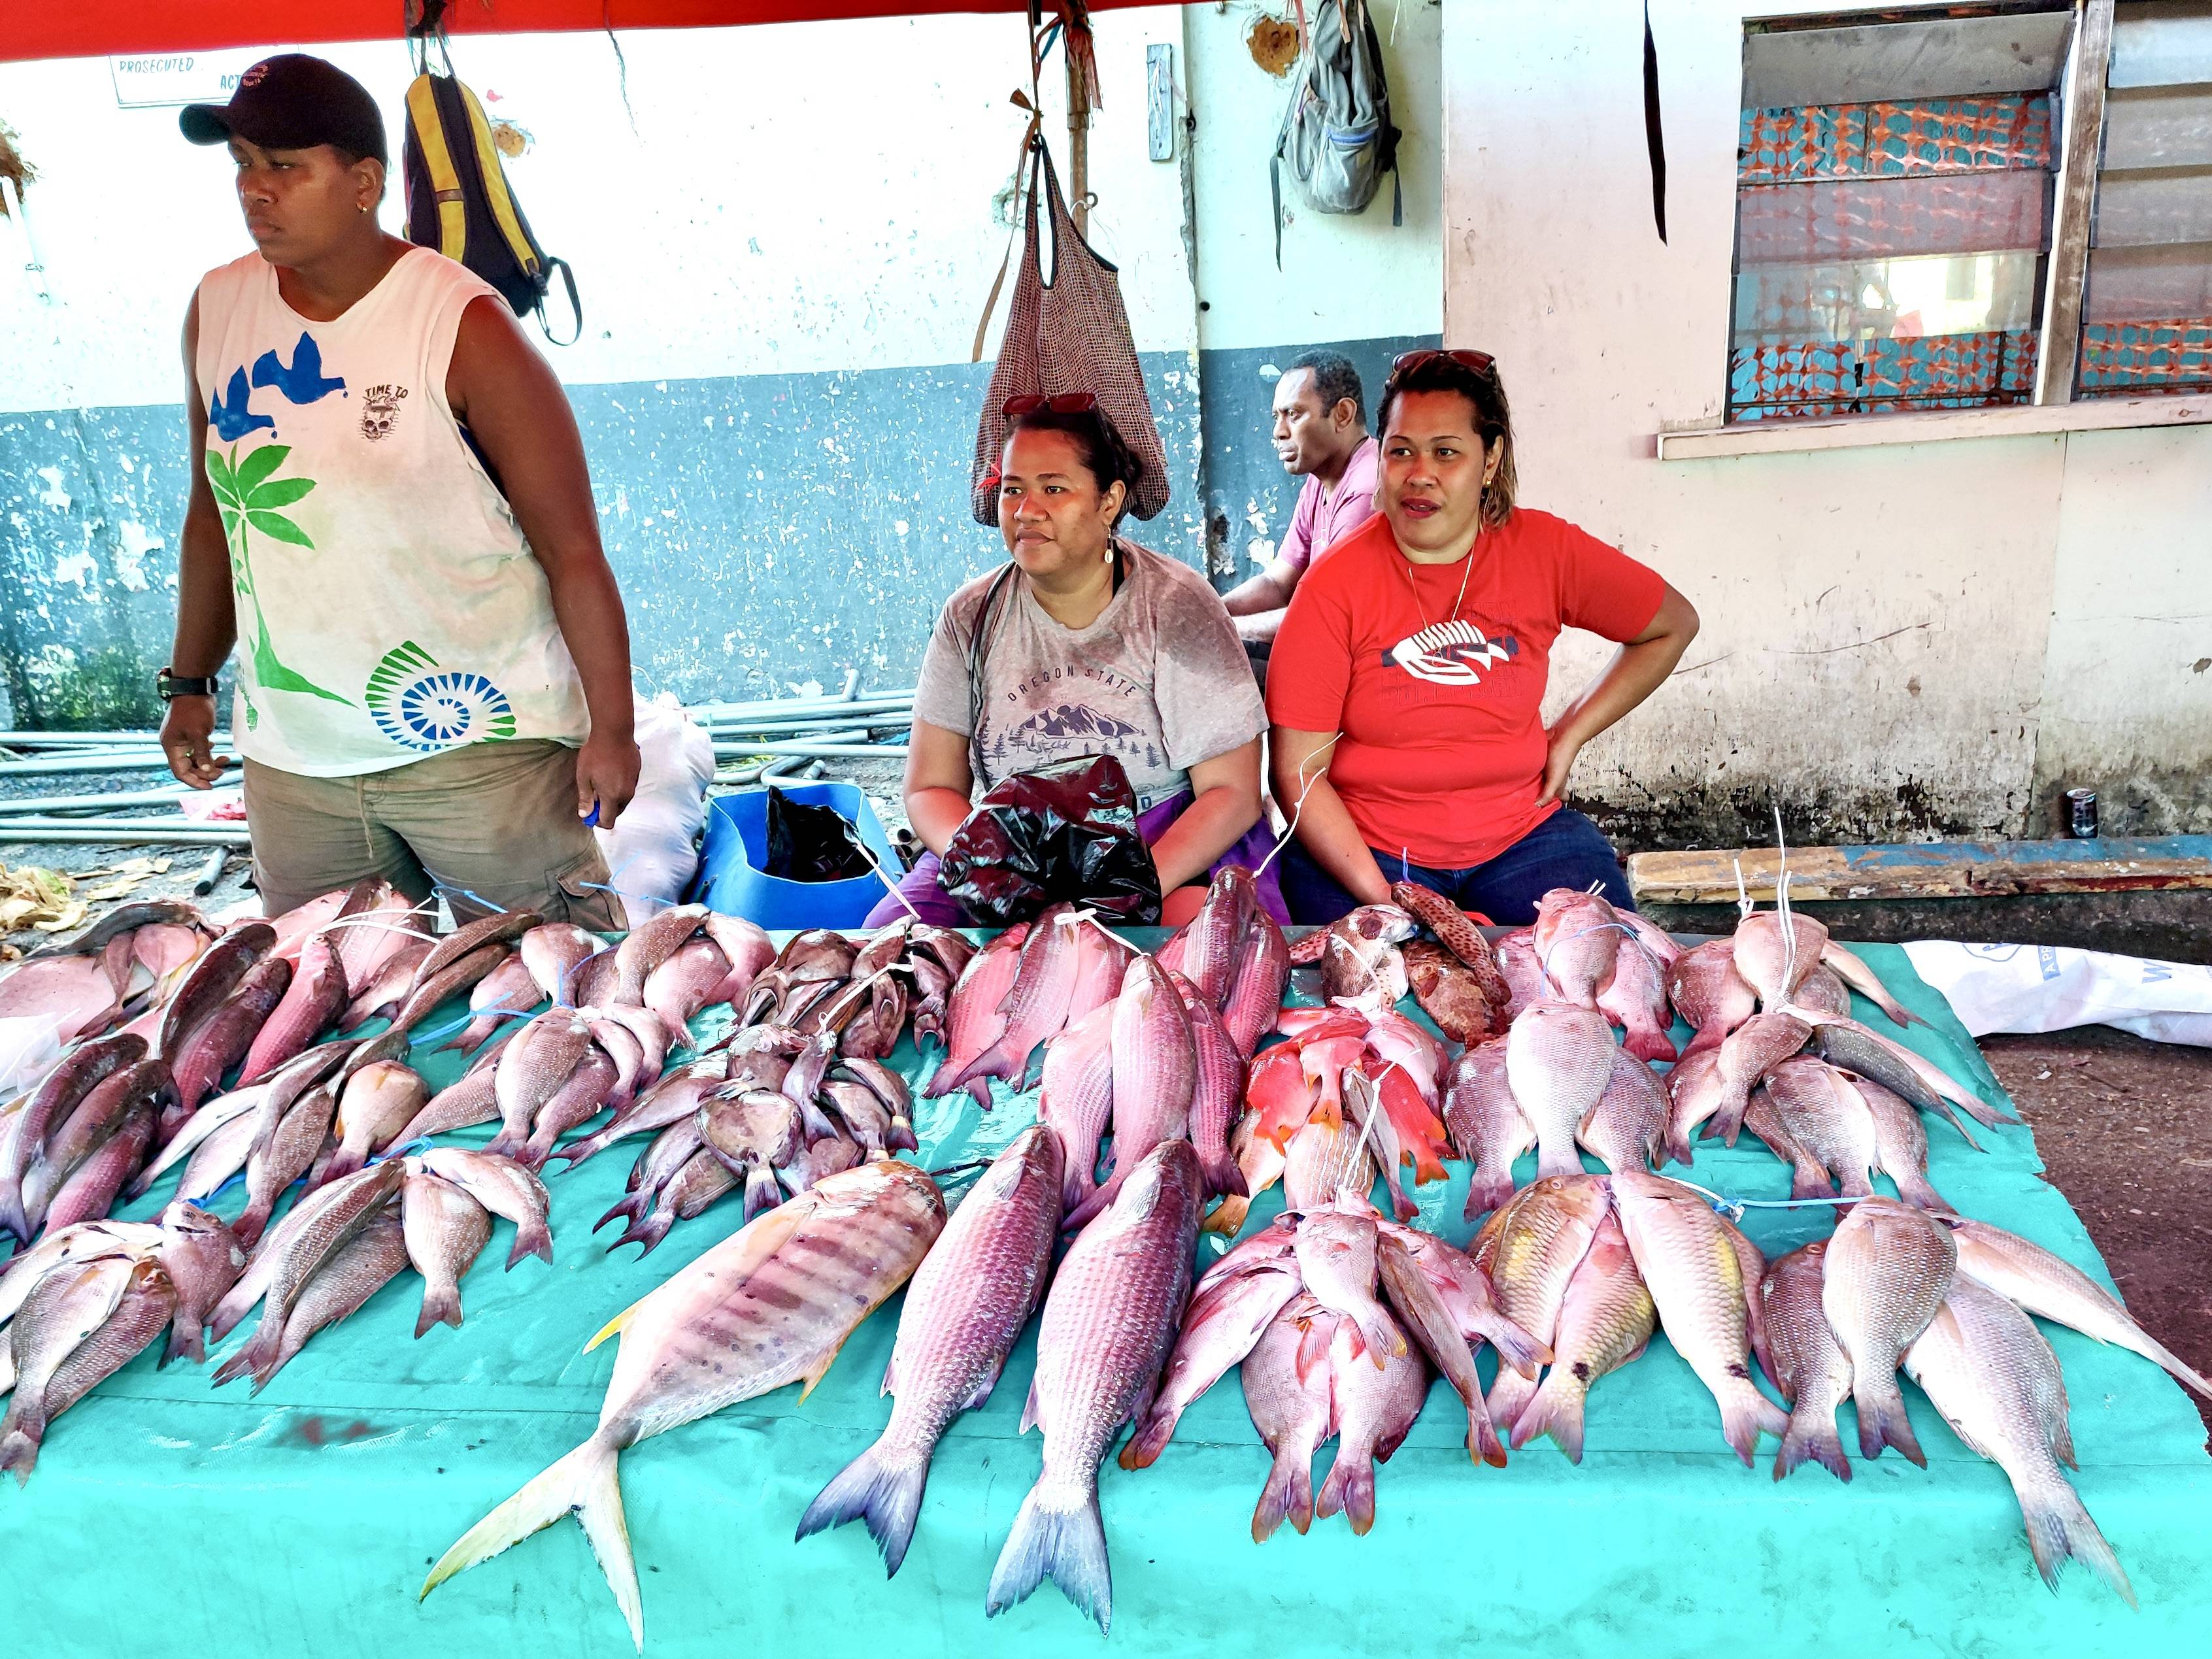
x: 2059, y: 360
x: 1934, y: 870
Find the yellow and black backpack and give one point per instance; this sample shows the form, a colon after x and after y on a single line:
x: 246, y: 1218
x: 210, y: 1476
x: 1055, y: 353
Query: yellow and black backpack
x: 458, y: 203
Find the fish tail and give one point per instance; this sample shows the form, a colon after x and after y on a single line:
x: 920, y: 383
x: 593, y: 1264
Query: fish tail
x: 884, y: 1496
x: 1557, y: 1410
x: 2059, y: 1527
x: 1288, y: 1495
x: 532, y: 1238
x: 343, y: 1162
x: 1746, y: 1414
x: 901, y: 1137
x: 187, y: 1341
x: 1222, y: 1178
x: 1728, y: 1122
x: 761, y: 1193
x: 585, y: 1484
x: 1100, y: 1200
x: 260, y: 1349
x: 1559, y: 1159
x: 1350, y: 1489
x: 1811, y: 1437
x: 1882, y: 1421
x: 1912, y: 1187
x: 1649, y: 1045
x: 1228, y: 1216
x: 1058, y: 1535
x: 1509, y: 1396
x: 442, y: 1305
x: 1810, y: 1181
x: 19, y: 1447
x: 1488, y: 1191
x: 253, y: 1222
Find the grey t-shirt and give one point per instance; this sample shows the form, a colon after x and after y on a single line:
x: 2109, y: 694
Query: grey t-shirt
x: 1159, y: 682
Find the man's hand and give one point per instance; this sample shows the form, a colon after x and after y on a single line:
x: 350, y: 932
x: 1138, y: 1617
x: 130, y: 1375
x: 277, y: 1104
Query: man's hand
x: 186, y: 729
x: 1559, y: 760
x: 606, y: 774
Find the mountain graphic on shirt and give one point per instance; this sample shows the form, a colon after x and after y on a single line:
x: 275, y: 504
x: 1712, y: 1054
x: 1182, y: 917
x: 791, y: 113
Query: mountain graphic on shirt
x: 1072, y: 720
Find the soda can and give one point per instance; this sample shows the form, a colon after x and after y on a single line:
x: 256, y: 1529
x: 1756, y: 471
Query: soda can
x: 2081, y: 814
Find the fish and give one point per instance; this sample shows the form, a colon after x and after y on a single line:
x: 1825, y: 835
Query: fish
x: 652, y: 943
x: 216, y: 1159
x: 1810, y: 1368
x: 576, y: 1101
x: 967, y: 1306
x: 1825, y: 991
x: 1696, y: 1280
x: 347, y: 1207
x: 203, y: 1259
x: 376, y: 1103
x: 355, y: 1271
x: 133, y: 1298
x: 1900, y: 1143
x: 1459, y: 935
x: 1369, y: 925
x: 1525, y: 980
x: 754, y: 1133
x: 1888, y: 1267
x: 1224, y: 1319
x: 1323, y: 1161
x: 1878, y: 1057
x: 1109, y: 1322
x: 213, y: 976
x: 314, y: 996
x: 1752, y: 1051
x: 1559, y: 1059
x: 1577, y: 936
x: 271, y: 1170
x: 59, y: 1316
x: 550, y: 951
x: 1862, y: 1054
x: 1379, y: 1110
x: 676, y: 1096
x: 1369, y: 973
x: 1807, y: 1173
x: 1217, y: 1092
x: 1375, y: 1411
x: 684, y: 984
x: 689, y: 1192
x: 507, y: 1189
x: 1712, y: 998
x: 1541, y: 1238
x: 1036, y: 1005
x: 509, y: 989
x: 1447, y: 991
x: 87, y: 1241
x: 746, y: 947
x: 1824, y: 1115
x: 771, y: 1304
x: 1775, y: 950
x: 1155, y: 1076
x: 1256, y: 997
x: 1606, y: 1318
x: 1422, y: 1312
x: 92, y: 1187
x: 866, y: 1117
x: 75, y: 993
x: 201, y: 1056
x: 501, y: 929
x: 1985, y: 1367
x: 1470, y: 1299
x: 1293, y: 1412
x: 1853, y: 972
x: 973, y: 1018
x: 1335, y: 1252
x: 1214, y: 941
x: 1751, y: 1265
x: 1634, y: 996
x: 1486, y: 1125
x: 1627, y: 1127
x: 444, y: 1230
x: 384, y: 992
x: 23, y: 1132
x: 1076, y: 1098
x: 537, y: 1062
x: 2045, y: 1284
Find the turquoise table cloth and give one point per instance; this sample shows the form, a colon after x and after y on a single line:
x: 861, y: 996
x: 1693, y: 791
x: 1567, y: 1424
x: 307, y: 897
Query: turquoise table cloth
x: 167, y: 1514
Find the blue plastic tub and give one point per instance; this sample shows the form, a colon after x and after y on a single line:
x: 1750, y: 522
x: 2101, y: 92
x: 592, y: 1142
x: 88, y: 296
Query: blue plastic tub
x: 731, y: 879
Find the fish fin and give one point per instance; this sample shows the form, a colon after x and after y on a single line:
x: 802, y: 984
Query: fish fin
x: 1350, y: 1489
x: 1557, y: 1410
x: 1223, y: 1177
x: 981, y: 1398
x: 439, y: 1307
x: 1382, y: 1338
x: 1882, y: 1421
x: 890, y: 1376
x: 1559, y: 1160
x: 887, y: 1500
x: 1030, y: 1418
x: 1483, y: 1445
x: 1509, y: 1396
x: 2059, y: 1527
x: 1811, y: 1437
x: 1288, y: 1495
x: 820, y: 1369
x: 585, y: 1484
x: 1862, y: 979
x: 1155, y: 1428
x: 1228, y: 1216
x: 979, y: 1087
x: 1095, y: 1204
x: 1062, y: 1540
x: 615, y: 1324
x: 187, y: 1341
x: 1313, y: 1346
x: 19, y: 1449
x: 1486, y: 1193
x: 1516, y: 1347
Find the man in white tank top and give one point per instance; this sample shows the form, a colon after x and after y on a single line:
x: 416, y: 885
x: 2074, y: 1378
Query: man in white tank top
x: 392, y: 524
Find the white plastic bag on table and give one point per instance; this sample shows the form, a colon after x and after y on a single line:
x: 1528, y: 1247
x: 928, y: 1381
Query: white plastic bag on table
x: 2047, y: 987
x: 653, y: 848
x: 28, y: 1051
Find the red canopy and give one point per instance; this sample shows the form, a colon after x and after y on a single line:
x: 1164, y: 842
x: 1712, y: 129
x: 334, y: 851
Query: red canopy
x: 94, y: 28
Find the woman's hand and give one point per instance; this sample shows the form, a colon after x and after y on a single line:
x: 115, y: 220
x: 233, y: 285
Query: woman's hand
x: 1561, y: 746
x: 1324, y: 827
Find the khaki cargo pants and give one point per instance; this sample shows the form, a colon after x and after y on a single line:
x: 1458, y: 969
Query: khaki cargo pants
x: 496, y: 821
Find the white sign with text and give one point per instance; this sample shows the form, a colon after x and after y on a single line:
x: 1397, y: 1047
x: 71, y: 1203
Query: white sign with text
x: 153, y: 80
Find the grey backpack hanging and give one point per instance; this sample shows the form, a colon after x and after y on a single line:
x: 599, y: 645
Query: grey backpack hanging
x: 1337, y: 134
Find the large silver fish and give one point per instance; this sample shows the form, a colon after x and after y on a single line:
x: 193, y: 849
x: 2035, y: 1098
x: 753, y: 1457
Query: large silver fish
x: 771, y: 1304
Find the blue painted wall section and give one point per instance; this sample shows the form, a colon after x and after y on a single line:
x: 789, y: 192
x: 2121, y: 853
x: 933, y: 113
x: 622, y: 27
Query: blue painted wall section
x: 766, y: 528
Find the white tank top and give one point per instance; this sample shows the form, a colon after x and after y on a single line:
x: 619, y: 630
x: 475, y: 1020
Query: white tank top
x: 388, y: 606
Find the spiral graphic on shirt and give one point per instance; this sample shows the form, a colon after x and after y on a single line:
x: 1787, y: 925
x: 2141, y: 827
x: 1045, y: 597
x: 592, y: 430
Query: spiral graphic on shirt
x: 420, y: 705
x: 1449, y: 654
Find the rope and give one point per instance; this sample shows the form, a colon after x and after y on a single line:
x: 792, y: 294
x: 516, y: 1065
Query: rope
x: 1732, y: 1208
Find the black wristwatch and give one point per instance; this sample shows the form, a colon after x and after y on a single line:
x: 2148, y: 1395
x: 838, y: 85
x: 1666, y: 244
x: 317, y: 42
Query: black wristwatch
x: 169, y: 686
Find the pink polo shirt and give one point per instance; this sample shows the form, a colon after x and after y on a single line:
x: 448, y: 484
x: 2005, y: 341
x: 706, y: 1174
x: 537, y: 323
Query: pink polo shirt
x: 1321, y: 519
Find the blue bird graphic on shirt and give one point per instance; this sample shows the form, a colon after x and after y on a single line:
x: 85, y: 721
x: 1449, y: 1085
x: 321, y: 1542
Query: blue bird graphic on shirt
x: 304, y: 382
x: 229, y: 412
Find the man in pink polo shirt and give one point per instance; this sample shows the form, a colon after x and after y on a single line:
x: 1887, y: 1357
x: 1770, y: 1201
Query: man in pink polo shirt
x: 1321, y: 433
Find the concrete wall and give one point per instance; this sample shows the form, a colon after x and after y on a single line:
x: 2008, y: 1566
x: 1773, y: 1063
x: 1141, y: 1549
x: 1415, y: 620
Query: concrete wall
x: 784, y: 240
x: 1898, y: 640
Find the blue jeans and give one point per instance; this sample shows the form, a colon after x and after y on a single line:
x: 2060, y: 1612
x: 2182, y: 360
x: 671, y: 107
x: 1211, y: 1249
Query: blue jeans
x: 1566, y: 850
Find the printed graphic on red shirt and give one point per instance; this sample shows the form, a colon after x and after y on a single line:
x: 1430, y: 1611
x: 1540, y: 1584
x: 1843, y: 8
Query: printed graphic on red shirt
x: 1451, y: 653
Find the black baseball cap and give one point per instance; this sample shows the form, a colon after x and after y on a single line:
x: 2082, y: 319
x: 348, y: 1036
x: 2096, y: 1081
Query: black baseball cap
x: 293, y: 102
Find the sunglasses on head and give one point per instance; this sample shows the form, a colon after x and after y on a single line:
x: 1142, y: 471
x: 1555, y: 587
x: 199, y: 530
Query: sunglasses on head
x: 1481, y: 362
x: 1061, y: 403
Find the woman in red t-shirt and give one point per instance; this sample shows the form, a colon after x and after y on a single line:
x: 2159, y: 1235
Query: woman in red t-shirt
x: 1407, y: 681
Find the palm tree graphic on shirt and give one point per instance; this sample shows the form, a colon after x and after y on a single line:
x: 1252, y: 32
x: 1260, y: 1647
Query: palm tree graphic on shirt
x: 249, y: 493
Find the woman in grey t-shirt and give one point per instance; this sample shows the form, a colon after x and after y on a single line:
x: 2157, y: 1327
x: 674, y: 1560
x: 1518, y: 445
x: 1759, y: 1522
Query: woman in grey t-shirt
x: 1091, y: 645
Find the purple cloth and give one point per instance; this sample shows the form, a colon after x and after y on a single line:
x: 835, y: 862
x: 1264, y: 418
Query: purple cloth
x: 937, y: 906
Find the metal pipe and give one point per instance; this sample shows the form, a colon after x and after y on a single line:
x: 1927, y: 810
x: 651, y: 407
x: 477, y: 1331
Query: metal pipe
x: 72, y: 764
x: 80, y: 739
x: 32, y: 821
x: 78, y: 835
x: 797, y: 705
x: 39, y: 803
x: 820, y: 751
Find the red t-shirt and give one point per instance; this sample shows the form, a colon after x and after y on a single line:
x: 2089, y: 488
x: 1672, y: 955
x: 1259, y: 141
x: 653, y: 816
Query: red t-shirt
x: 1443, y: 750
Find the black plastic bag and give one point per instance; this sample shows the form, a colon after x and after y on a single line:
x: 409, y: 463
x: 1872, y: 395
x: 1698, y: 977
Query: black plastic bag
x: 1065, y: 832
x: 810, y: 844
